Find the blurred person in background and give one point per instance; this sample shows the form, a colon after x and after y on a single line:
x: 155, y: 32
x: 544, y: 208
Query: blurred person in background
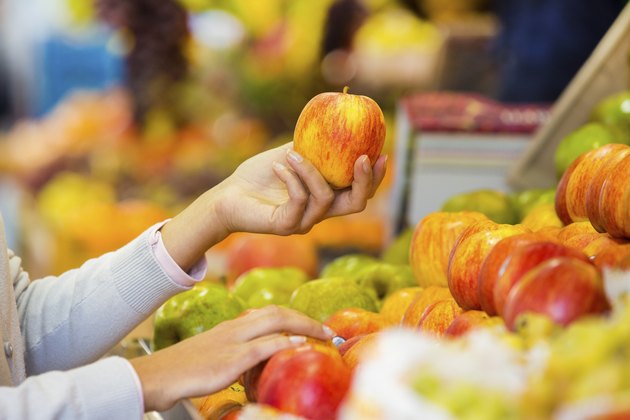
x: 54, y: 330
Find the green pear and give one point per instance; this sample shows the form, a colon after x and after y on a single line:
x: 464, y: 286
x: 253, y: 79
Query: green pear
x: 614, y: 110
x: 347, y: 266
x: 587, y: 137
x: 193, y: 312
x: 524, y: 201
x: 383, y: 278
x: 268, y: 285
x: 398, y: 251
x: 496, y: 205
x: 321, y: 298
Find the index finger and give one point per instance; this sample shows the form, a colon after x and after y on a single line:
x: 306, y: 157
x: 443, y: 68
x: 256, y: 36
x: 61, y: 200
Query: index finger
x: 275, y: 319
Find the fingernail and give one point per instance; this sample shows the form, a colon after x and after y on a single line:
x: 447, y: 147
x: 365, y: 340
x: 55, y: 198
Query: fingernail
x: 294, y: 156
x: 279, y: 166
x: 297, y: 339
x: 367, y: 167
x: 337, y: 341
x: 329, y: 332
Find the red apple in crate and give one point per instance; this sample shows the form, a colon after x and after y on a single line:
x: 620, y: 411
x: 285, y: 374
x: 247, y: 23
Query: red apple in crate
x: 468, y: 255
x: 601, y: 244
x: 431, y: 244
x: 395, y: 305
x: 249, y: 251
x: 493, y: 266
x: 334, y: 129
x: 614, y: 204
x: 350, y: 322
x: 580, y: 179
x: 562, y: 209
x: 470, y: 320
x: 611, y: 256
x: 525, y: 257
x: 562, y: 288
x: 355, y: 350
x: 593, y: 193
x: 305, y: 381
x: 421, y: 302
x: 581, y: 241
x: 573, y: 229
x: 438, y: 316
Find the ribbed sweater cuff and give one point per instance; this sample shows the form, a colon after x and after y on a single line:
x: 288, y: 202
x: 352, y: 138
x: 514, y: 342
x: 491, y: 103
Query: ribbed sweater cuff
x: 139, y: 278
x: 107, y: 390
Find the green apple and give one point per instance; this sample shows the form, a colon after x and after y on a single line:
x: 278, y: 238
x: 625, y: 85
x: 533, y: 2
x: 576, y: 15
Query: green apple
x: 321, y: 298
x: 590, y: 136
x: 382, y: 279
x: 347, y: 266
x: 524, y: 201
x: 398, y: 251
x: 614, y: 110
x: 496, y: 205
x: 268, y: 285
x: 193, y: 312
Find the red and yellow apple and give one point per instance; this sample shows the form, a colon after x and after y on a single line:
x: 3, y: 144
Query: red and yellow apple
x: 334, y: 129
x: 355, y: 350
x: 471, y: 320
x: 350, y: 322
x: 494, y: 265
x: 305, y: 381
x: 562, y: 288
x: 395, y: 305
x: 432, y: 242
x: 421, y: 302
x: 593, y: 193
x: 524, y: 257
x: 573, y: 229
x: 468, y: 255
x: 611, y: 256
x: 542, y: 217
x: 614, y: 200
x: 581, y: 177
x: 438, y: 316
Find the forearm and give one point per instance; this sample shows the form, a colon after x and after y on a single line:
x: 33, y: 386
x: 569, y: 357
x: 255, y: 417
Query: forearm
x: 195, y: 230
x: 74, y: 319
x: 106, y: 389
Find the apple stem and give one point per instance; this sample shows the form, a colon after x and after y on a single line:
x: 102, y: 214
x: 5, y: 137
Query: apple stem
x: 345, y: 89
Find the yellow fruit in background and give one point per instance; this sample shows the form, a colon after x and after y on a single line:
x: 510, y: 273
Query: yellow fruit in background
x: 542, y: 216
x: 395, y: 305
x: 214, y: 406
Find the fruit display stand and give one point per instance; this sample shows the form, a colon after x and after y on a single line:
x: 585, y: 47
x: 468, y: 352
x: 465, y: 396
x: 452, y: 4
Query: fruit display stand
x: 451, y: 143
x: 607, y: 71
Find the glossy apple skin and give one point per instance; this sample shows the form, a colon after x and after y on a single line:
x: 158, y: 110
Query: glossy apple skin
x: 468, y: 321
x: 421, y: 302
x: 357, y: 349
x: 561, y: 204
x: 305, y: 381
x: 573, y: 229
x: 524, y: 258
x: 334, y: 129
x: 562, y: 288
x: 614, y: 204
x: 580, y: 179
x: 431, y: 244
x: 593, y: 194
x: 350, y: 322
x: 467, y: 257
x: 438, y: 316
x: 395, y: 305
x: 612, y: 256
x: 494, y: 265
